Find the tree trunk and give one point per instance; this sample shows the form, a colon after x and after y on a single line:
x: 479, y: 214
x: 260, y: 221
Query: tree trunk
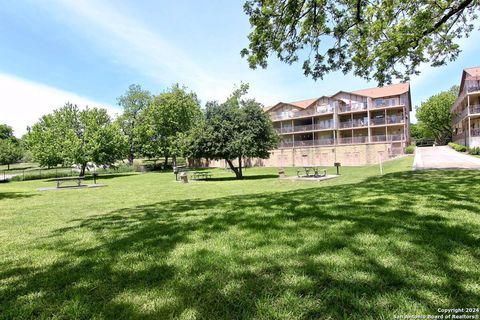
x: 240, y: 167
x: 8, y: 166
x: 82, y: 169
x: 174, y: 161
x: 166, y: 161
x: 238, y: 173
x: 130, y: 157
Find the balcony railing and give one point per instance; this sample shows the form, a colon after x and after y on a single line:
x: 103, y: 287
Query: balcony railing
x: 475, y: 132
x: 395, y: 137
x: 378, y: 138
x: 351, y: 140
x: 353, y: 124
x: 473, y: 89
x: 306, y: 143
x: 346, y: 140
x: 301, y: 113
x: 288, y: 144
x: 394, y: 119
x: 389, y: 138
x: 306, y: 127
x: 384, y: 105
x: 323, y: 126
x: 354, y: 107
x: 377, y: 121
x: 475, y: 109
x: 284, y: 129
x: 324, y: 142
x: 460, y: 117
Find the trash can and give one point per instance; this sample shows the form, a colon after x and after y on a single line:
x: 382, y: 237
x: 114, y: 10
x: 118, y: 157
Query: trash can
x: 184, y: 177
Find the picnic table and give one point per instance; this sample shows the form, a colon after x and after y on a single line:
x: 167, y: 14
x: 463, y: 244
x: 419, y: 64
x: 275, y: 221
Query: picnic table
x: 312, y: 171
x: 78, y: 180
x: 201, y: 175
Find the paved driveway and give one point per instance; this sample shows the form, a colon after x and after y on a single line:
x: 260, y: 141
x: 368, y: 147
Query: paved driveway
x: 443, y: 157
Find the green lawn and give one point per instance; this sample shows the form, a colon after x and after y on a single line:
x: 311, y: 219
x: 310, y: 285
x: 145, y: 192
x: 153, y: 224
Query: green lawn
x: 362, y: 246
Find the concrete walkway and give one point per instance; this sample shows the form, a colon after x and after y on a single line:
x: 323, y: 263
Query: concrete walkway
x: 443, y: 157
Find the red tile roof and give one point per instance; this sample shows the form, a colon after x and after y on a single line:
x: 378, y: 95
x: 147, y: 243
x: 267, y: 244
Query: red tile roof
x: 377, y: 92
x: 303, y: 103
x: 390, y: 90
x: 472, y: 72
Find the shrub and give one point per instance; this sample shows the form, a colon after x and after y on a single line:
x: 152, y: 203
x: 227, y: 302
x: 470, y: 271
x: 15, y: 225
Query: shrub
x: 410, y: 149
x: 475, y: 151
x: 457, y: 147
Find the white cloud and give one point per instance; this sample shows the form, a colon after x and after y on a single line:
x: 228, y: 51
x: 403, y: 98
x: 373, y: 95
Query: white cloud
x: 130, y: 42
x: 24, y: 102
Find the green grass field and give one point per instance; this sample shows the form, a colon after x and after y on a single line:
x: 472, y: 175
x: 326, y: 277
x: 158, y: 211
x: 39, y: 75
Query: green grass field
x: 361, y: 246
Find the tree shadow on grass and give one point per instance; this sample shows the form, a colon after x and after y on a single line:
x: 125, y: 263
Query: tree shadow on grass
x: 14, y: 195
x: 251, y: 177
x: 402, y: 243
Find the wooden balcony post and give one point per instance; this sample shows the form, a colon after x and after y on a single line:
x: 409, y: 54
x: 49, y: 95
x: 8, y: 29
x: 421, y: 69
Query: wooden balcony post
x: 469, y: 131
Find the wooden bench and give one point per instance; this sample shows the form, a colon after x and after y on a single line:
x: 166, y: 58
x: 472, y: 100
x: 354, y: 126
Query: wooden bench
x: 78, y: 180
x: 201, y: 175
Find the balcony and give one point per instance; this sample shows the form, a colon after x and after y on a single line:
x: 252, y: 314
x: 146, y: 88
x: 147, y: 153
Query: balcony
x: 475, y: 109
x: 306, y: 143
x: 306, y: 127
x: 301, y: 113
x: 378, y: 138
x: 377, y: 122
x: 475, y: 132
x: 396, y: 104
x: 354, y: 107
x: 396, y: 137
x: 356, y: 123
x: 353, y: 140
x: 395, y: 119
x: 462, y: 115
x: 389, y: 138
x: 473, y: 89
x: 284, y: 129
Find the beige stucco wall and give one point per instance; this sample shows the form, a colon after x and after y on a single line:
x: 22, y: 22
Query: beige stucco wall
x: 349, y: 155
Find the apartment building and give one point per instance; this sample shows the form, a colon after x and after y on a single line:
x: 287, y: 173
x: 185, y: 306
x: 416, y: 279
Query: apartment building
x: 352, y: 127
x: 466, y: 109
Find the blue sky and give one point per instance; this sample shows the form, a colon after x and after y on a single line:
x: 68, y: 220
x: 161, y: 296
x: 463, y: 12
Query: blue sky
x: 88, y: 52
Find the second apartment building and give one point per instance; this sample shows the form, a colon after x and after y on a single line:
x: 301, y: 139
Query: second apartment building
x: 352, y: 127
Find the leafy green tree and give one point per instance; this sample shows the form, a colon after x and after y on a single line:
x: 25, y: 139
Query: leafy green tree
x: 435, y: 116
x: 232, y: 130
x: 376, y: 39
x: 6, y: 131
x: 11, y: 150
x: 133, y: 102
x: 171, y: 114
x: 419, y: 132
x: 73, y: 136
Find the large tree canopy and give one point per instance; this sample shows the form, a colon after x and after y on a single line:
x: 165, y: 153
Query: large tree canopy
x: 73, y: 136
x: 374, y: 39
x: 435, y: 117
x: 11, y: 150
x: 171, y: 114
x: 133, y: 102
x: 232, y: 130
